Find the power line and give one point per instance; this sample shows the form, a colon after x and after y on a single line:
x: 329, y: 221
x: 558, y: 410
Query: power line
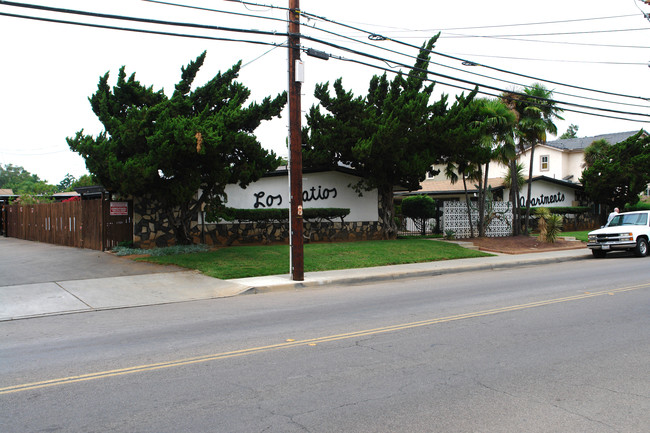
x: 266, y: 43
x: 555, y: 60
x: 483, y: 75
x: 467, y: 81
x: 376, y: 36
x: 381, y: 48
x: 585, y: 44
x: 508, y: 25
x: 584, y: 32
x: 153, y: 32
x: 216, y: 10
x: 488, y: 93
x: 142, y: 20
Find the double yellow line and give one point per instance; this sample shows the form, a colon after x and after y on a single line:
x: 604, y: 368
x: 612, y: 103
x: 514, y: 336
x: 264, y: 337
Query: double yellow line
x: 308, y: 342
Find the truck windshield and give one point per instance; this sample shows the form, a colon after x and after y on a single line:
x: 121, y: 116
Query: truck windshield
x: 634, y: 219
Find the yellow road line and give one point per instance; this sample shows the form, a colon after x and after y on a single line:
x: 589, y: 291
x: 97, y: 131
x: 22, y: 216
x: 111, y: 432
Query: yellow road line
x: 311, y: 342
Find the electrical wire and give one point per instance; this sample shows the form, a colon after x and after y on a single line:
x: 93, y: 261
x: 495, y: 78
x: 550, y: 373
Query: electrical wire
x: 264, y: 54
x: 490, y: 94
x: 389, y: 50
x: 508, y: 25
x: 154, y: 32
x: 266, y: 43
x: 584, y: 32
x: 463, y: 80
x: 380, y: 37
x: 141, y: 20
x: 553, y: 60
x: 216, y: 10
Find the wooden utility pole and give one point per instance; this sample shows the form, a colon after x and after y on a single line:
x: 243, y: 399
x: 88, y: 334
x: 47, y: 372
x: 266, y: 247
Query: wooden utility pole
x: 295, y: 143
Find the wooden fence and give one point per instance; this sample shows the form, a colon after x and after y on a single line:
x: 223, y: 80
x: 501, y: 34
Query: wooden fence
x: 93, y: 224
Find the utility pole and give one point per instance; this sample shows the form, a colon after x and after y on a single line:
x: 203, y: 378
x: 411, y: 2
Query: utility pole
x: 295, y: 143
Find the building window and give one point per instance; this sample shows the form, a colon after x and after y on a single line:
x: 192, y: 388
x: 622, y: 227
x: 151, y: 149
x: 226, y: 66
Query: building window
x: 544, y: 163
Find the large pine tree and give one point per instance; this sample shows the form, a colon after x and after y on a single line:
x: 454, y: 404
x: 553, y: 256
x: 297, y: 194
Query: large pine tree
x: 392, y: 136
x: 169, y: 148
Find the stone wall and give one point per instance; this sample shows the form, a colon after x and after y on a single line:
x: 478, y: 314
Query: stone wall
x: 151, y: 230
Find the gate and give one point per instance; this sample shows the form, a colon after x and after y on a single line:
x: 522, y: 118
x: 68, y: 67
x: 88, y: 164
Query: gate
x: 93, y: 224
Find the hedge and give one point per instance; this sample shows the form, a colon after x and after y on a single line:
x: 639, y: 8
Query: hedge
x: 280, y: 214
x: 562, y: 210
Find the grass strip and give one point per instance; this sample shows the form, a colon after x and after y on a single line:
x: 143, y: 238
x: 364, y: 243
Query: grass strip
x: 254, y: 261
x: 581, y: 235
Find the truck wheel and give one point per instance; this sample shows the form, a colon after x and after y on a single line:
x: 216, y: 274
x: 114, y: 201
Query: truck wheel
x: 641, y: 249
x: 599, y: 254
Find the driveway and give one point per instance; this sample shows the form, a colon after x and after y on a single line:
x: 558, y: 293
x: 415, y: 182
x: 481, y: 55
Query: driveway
x: 27, y: 262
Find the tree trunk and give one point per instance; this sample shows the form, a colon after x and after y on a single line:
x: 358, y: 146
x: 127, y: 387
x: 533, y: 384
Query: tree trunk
x: 387, y: 212
x: 482, y: 196
x: 530, y: 186
x: 514, y: 197
x: 469, y: 209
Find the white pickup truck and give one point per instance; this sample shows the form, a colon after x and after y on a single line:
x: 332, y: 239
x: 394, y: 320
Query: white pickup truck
x: 626, y: 231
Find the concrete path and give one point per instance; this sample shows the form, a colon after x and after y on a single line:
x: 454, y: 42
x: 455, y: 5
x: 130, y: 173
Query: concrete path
x: 33, y: 279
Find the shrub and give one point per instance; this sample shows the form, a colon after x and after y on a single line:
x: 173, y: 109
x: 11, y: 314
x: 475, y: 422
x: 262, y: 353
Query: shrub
x: 550, y: 224
x: 419, y: 208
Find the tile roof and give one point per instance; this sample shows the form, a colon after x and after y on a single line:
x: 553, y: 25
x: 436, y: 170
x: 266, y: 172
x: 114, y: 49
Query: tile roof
x: 445, y: 186
x: 580, y: 143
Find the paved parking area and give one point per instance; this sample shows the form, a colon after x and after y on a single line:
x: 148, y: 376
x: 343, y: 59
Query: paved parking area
x: 27, y: 262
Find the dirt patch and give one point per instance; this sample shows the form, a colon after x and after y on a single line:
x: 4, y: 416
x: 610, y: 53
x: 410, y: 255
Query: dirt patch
x: 523, y: 244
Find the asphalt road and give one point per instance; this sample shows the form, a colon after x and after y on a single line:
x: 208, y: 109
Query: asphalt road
x: 562, y: 347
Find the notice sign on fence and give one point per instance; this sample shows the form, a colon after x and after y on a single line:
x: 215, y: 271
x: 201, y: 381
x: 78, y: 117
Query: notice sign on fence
x: 119, y: 208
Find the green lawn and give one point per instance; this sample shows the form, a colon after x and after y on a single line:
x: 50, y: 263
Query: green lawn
x: 253, y: 261
x: 581, y: 235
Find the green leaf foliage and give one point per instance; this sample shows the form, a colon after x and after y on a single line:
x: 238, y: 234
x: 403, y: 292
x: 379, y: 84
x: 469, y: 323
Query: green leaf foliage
x: 391, y: 136
x: 21, y: 181
x: 620, y: 172
x: 276, y: 214
x: 167, y: 148
x: 419, y: 206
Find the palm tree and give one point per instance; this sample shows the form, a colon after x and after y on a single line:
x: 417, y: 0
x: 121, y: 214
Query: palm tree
x: 536, y: 113
x: 498, y: 122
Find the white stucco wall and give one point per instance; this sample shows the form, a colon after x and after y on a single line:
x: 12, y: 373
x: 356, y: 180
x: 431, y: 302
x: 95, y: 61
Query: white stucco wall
x: 546, y: 194
x: 320, y: 190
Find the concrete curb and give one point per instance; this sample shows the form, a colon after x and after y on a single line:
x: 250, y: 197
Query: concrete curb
x: 284, y: 282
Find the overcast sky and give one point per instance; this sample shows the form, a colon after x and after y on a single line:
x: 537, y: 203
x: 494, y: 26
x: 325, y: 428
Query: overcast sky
x: 50, y: 69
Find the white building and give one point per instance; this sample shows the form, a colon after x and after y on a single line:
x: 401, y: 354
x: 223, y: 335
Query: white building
x: 557, y: 168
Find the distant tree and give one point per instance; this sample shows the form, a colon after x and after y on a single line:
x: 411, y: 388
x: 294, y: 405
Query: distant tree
x: 69, y: 182
x: 169, y: 148
x: 84, y: 180
x: 420, y: 208
x: 571, y: 132
x: 392, y: 136
x: 21, y: 181
x: 619, y: 173
x: 66, y: 182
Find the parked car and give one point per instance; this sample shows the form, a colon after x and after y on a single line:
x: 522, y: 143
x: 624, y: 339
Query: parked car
x: 626, y: 231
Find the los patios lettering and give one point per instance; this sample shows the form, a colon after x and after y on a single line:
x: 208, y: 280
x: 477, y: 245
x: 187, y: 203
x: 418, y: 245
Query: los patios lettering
x: 543, y: 199
x: 263, y: 199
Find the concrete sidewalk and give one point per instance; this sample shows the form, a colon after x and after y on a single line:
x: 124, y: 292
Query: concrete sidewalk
x: 62, y: 297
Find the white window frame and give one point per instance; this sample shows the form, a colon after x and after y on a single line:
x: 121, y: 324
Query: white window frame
x: 542, y: 162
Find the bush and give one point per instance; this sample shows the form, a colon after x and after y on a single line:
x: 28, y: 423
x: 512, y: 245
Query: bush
x: 277, y: 214
x: 563, y: 210
x: 638, y: 206
x: 550, y: 224
x: 419, y: 208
